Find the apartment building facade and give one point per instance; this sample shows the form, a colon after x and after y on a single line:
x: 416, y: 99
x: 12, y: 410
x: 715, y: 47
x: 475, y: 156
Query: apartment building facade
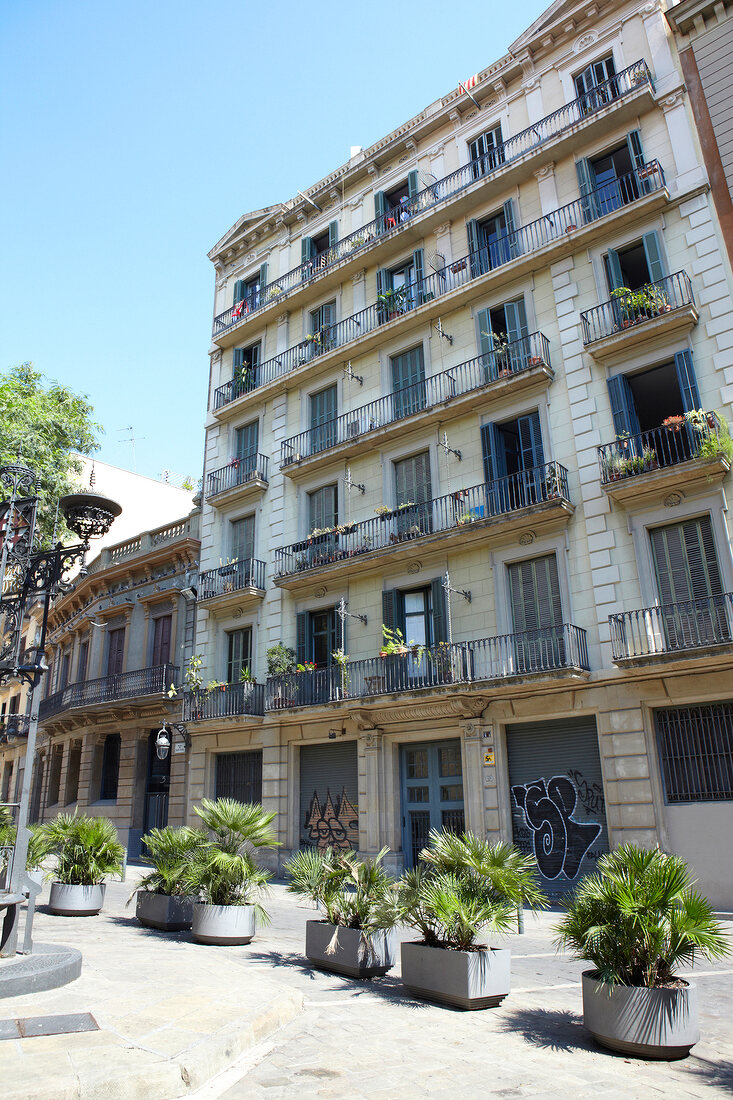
x: 449, y: 397
x: 116, y: 644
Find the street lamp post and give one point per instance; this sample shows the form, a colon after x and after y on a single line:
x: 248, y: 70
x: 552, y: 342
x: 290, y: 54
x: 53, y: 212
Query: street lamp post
x: 25, y: 576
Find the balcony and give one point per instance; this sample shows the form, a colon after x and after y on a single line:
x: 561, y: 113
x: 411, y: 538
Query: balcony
x: 664, y: 307
x: 537, y: 653
x: 519, y: 252
x: 140, y: 684
x: 672, y: 629
x: 539, y: 141
x: 12, y: 726
x: 234, y: 584
x: 241, y: 477
x: 228, y: 701
x: 536, y: 499
x: 524, y: 363
x: 687, y: 454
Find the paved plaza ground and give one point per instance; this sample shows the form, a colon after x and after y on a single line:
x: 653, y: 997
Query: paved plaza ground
x: 180, y: 1019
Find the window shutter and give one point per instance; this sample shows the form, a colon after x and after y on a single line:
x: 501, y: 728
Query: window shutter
x: 237, y: 361
x: 653, y: 256
x: 516, y: 320
x: 243, y: 538
x: 238, y: 291
x: 535, y: 594
x: 440, y: 611
x: 418, y: 265
x: 511, y: 228
x: 254, y: 357
x: 384, y: 283
x: 306, y: 250
x: 161, y: 640
x: 263, y: 281
x: 485, y: 341
x: 636, y: 152
x: 412, y: 184
x: 301, y: 632
x: 625, y: 420
x: 530, y: 441
x: 473, y: 247
x: 687, y: 381
x: 685, y: 561
x: 588, y: 196
x: 392, y: 609
x: 614, y: 269
x: 333, y: 234
x: 494, y: 454
x: 380, y: 209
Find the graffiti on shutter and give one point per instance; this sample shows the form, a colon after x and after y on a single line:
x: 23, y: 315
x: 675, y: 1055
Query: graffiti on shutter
x: 559, y: 840
x: 332, y: 826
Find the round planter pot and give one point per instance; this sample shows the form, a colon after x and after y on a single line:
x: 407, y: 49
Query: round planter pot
x: 650, y: 1023
x: 76, y: 901
x: 466, y: 979
x: 223, y: 924
x: 169, y: 914
x: 347, y: 950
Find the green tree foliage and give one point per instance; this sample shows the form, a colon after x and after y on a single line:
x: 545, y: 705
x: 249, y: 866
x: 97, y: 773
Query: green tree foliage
x: 42, y: 422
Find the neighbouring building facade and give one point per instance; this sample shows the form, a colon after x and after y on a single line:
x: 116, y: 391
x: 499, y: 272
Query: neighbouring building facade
x: 116, y: 644
x: 473, y: 387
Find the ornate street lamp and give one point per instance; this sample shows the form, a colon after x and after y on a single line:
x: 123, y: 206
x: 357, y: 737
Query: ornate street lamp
x: 27, y: 575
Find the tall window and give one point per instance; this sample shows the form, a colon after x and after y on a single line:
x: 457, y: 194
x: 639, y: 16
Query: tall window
x: 514, y: 462
x: 486, y: 152
x: 503, y: 340
x: 246, y: 368
x: 316, y: 636
x: 693, y: 612
x: 493, y: 241
x: 595, y: 86
x: 323, y: 413
x: 537, y: 614
x: 116, y: 651
x: 71, y: 790
x: 81, y: 672
x: 402, y: 287
x: 161, y: 640
x: 323, y: 508
x: 242, y: 533
x: 239, y: 653
x: 321, y: 336
x: 246, y: 442
x: 65, y: 670
x: 408, y: 382
x: 54, y: 774
x: 413, y: 492
x: 110, y: 767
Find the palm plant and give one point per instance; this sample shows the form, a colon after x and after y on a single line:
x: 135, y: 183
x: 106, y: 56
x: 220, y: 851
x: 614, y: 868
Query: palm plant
x: 638, y: 917
x: 169, y: 852
x: 86, y: 848
x: 466, y: 885
x: 353, y: 893
x: 223, y: 871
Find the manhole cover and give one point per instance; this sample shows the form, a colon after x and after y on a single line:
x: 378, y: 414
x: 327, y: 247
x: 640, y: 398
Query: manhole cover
x: 32, y: 1026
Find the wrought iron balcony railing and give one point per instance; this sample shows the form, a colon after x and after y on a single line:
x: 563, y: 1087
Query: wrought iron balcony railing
x: 504, y: 249
x: 14, y: 725
x: 239, y: 471
x: 673, y: 627
x: 680, y: 441
x: 396, y: 219
x: 440, y: 389
x: 235, y: 575
x: 228, y: 701
x: 413, y: 521
x: 522, y: 654
x: 108, y: 689
x: 628, y: 308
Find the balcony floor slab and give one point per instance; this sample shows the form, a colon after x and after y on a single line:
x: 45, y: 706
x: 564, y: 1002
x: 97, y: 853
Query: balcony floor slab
x: 684, y: 478
x: 678, y: 320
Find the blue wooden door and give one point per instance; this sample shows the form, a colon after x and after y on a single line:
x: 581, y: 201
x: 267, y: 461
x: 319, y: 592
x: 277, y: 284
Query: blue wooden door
x: 432, y: 793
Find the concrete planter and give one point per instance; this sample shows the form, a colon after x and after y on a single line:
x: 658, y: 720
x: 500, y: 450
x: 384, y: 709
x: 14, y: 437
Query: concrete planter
x: 348, y: 950
x: 76, y: 901
x: 649, y: 1023
x: 467, y: 979
x: 223, y: 924
x: 169, y: 914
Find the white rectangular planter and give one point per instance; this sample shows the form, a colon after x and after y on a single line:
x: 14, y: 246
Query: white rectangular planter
x: 348, y: 950
x: 169, y: 914
x: 467, y: 979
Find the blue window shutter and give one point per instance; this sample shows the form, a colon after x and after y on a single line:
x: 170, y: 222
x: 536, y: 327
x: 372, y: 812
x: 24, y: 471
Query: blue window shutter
x: 625, y: 420
x: 263, y: 281
x: 530, y: 440
x: 654, y: 260
x: 494, y: 454
x: 333, y: 234
x: 440, y: 611
x: 306, y: 250
x: 511, y: 228
x: 473, y: 247
x: 412, y: 184
x: 614, y: 269
x: 380, y: 209
x: 687, y: 380
x: 485, y: 341
x: 633, y: 140
x: 516, y: 320
x: 418, y: 266
x: 588, y: 195
x: 301, y: 637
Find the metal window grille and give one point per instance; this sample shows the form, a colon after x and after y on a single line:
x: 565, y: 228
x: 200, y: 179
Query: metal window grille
x: 239, y: 776
x: 696, y: 752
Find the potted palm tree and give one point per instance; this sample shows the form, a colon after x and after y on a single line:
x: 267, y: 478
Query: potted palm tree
x: 359, y: 903
x: 86, y: 849
x: 162, y: 901
x: 636, y: 920
x: 223, y: 875
x: 464, y: 886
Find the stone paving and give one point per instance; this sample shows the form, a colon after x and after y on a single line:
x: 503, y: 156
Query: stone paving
x: 174, y: 1014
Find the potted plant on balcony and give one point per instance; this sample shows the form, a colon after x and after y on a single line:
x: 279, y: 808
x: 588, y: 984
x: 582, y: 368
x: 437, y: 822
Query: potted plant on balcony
x: 464, y: 886
x: 86, y: 849
x: 636, y: 920
x: 162, y: 901
x: 383, y: 511
x: 391, y: 303
x: 359, y: 905
x: 674, y: 423
x: 224, y: 875
x: 441, y: 658
x: 280, y: 663
x: 341, y: 659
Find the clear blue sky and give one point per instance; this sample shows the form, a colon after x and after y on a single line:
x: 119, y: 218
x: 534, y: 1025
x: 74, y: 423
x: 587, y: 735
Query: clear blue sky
x: 135, y: 135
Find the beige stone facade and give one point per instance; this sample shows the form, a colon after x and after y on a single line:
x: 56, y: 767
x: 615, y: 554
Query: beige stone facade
x: 410, y: 404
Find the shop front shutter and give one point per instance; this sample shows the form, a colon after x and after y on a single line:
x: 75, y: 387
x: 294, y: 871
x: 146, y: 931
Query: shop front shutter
x: 557, y: 798
x: 329, y: 796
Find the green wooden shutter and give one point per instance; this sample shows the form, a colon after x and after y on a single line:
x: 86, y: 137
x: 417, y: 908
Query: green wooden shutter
x: 301, y: 637
x: 588, y: 196
x: 263, y: 282
x: 614, y: 269
x: 472, y: 232
x: 485, y: 340
x: 243, y: 538
x: 418, y: 266
x: 636, y: 152
x: 511, y: 229
x: 239, y: 291
x: 333, y: 234
x: 535, y: 594
x: 384, y: 284
x: 380, y: 209
x: 408, y: 378
x: 685, y: 561
x: 237, y: 362
x: 625, y: 419
x: 687, y: 381
x: 440, y: 611
x: 516, y: 332
x: 413, y: 185
x: 530, y: 441
x: 393, y: 609
x: 247, y: 440
x: 653, y: 253
x: 306, y: 250
x: 323, y: 406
